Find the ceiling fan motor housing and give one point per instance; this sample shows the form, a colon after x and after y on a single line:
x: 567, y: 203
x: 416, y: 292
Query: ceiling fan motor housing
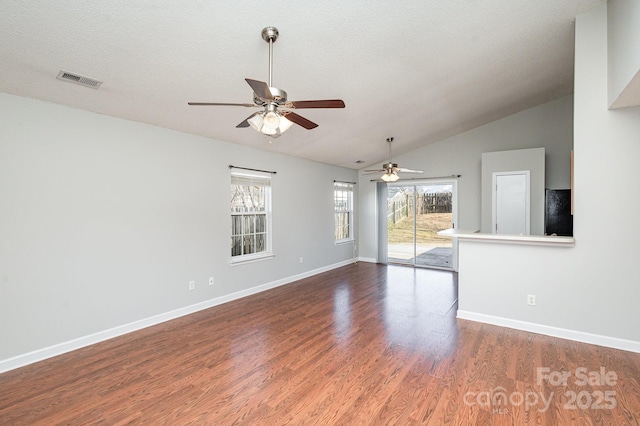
x: 279, y: 97
x: 390, y: 166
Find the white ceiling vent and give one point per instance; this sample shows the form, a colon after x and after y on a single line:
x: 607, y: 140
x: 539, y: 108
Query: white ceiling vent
x: 78, y: 79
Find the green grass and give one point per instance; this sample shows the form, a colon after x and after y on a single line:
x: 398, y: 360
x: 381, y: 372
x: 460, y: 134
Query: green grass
x: 426, y: 227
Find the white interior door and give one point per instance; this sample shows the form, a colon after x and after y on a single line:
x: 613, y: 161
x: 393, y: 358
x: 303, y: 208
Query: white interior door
x: 511, y: 198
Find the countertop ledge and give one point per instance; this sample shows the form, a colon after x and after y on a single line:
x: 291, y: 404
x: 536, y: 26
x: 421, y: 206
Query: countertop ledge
x: 474, y: 235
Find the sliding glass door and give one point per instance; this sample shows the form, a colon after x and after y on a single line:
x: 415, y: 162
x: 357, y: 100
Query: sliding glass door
x: 415, y: 213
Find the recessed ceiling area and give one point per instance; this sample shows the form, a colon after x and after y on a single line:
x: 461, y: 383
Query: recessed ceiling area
x: 421, y: 71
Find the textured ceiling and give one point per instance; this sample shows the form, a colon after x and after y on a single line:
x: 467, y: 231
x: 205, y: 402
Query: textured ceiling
x: 418, y: 70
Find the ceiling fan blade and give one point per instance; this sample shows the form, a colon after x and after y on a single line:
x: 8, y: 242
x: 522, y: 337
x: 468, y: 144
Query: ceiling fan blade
x: 329, y: 103
x: 301, y: 121
x: 219, y: 104
x: 400, y: 169
x: 245, y: 123
x: 370, y: 172
x: 260, y: 88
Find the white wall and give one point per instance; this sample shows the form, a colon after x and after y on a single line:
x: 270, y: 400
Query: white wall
x: 549, y: 126
x: 590, y: 291
x: 103, y: 222
x: 532, y: 160
x: 623, y: 52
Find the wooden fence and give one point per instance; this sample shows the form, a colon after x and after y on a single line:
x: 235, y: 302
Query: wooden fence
x: 401, y: 205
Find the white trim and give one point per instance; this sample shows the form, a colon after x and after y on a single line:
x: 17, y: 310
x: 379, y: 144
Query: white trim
x: 345, y: 241
x: 349, y: 188
x: 415, y: 182
x: 244, y: 179
x: 454, y: 232
x: 367, y: 259
x: 251, y: 258
x: 252, y: 174
x: 454, y: 222
x: 540, y: 240
x: 71, y: 345
x: 563, y: 333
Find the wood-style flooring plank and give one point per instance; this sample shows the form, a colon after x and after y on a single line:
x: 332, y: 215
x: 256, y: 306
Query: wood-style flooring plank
x: 362, y: 344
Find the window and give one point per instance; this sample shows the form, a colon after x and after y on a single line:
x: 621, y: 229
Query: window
x: 250, y: 216
x: 343, y: 203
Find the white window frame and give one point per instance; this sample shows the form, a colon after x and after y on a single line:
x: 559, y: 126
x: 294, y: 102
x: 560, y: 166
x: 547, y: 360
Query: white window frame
x: 347, y: 188
x: 254, y: 179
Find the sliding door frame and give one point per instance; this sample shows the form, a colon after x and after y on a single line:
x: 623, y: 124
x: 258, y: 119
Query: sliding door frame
x: 382, y: 213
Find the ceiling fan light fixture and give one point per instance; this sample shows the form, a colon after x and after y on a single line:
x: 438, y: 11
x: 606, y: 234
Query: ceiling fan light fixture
x: 269, y: 131
x: 390, y: 177
x: 271, y: 121
x: 256, y: 121
x: 285, y: 124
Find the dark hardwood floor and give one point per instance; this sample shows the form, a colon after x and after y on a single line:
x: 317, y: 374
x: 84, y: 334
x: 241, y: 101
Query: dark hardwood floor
x: 362, y: 344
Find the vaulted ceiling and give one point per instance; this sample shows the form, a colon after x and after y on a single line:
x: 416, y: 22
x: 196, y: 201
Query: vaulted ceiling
x: 418, y: 70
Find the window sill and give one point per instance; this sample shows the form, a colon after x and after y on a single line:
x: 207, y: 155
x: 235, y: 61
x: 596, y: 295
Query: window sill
x: 341, y: 242
x: 251, y: 259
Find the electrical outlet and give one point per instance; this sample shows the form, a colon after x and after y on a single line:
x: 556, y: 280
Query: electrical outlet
x: 211, y: 281
x: 192, y: 285
x: 531, y: 299
x: 301, y: 259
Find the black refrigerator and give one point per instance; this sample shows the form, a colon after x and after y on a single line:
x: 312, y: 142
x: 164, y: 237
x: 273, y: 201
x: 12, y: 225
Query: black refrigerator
x: 558, y: 219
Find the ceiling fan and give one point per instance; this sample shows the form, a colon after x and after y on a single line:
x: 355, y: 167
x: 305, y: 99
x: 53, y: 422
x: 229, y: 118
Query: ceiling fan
x: 390, y: 170
x: 276, y: 115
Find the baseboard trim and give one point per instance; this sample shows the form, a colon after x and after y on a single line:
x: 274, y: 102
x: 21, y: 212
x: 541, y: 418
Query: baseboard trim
x: 81, y: 342
x: 368, y: 259
x: 578, y: 336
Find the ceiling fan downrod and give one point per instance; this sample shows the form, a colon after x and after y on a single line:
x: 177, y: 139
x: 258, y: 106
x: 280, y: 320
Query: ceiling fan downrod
x: 389, y: 140
x: 270, y: 35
